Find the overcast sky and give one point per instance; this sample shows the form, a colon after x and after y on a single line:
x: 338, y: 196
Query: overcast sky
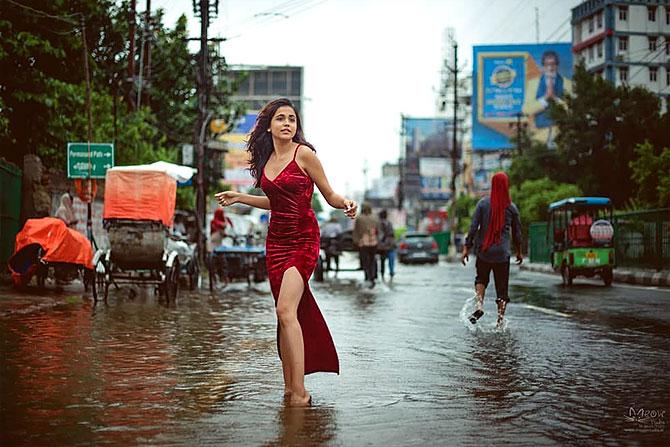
x: 366, y: 62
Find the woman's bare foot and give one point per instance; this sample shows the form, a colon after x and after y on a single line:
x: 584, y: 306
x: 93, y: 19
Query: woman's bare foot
x: 300, y: 401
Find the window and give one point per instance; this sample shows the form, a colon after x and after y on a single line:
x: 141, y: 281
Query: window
x: 279, y: 86
x: 653, y: 74
x: 667, y: 45
x: 667, y: 75
x: 623, y: 43
x: 652, y: 43
x: 590, y: 53
x: 667, y: 15
x: 623, y: 74
x: 599, y: 19
x: 591, y: 24
x: 623, y: 12
x: 651, y: 13
x: 600, y: 49
x: 261, y: 83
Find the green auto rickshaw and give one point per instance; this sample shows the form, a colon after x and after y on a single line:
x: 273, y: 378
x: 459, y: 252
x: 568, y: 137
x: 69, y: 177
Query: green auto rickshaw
x: 582, y: 238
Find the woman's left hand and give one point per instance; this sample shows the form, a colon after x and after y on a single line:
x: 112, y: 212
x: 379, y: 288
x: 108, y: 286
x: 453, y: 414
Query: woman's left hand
x: 350, y: 208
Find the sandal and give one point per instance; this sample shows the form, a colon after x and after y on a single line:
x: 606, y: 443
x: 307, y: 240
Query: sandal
x: 476, y: 315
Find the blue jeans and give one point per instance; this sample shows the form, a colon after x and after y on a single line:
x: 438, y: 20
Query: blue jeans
x: 390, y: 255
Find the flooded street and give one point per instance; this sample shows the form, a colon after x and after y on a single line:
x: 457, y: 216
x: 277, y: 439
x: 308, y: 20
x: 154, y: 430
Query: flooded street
x: 567, y: 368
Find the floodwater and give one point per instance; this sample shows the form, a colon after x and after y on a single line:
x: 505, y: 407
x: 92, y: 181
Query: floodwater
x: 204, y: 371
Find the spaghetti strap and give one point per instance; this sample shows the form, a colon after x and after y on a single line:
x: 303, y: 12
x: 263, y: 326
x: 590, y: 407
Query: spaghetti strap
x: 296, y: 151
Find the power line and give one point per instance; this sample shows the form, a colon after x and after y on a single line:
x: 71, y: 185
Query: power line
x: 66, y: 19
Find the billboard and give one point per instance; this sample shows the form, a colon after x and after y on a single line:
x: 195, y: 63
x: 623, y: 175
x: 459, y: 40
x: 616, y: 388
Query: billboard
x: 515, y: 84
x: 427, y: 157
x: 236, y: 162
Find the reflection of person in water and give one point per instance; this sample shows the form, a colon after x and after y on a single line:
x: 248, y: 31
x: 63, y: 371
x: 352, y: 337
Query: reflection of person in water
x: 550, y: 87
x: 299, y: 427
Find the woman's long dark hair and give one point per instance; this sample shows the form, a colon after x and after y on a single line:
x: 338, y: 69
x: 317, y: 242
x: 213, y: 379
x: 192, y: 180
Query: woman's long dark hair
x: 260, y: 145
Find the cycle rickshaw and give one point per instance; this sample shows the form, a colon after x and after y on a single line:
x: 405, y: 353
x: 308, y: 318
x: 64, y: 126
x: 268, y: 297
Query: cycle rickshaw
x: 47, y: 248
x: 138, y: 215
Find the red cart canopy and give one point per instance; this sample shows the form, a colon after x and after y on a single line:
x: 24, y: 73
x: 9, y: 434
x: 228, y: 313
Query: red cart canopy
x: 140, y: 195
x: 60, y: 243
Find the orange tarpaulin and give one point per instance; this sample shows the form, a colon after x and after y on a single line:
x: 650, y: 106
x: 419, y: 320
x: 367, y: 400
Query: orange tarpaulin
x: 59, y: 243
x: 140, y: 195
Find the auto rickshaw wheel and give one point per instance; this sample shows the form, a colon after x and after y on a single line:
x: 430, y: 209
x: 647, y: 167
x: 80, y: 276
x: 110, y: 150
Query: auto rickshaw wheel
x: 566, y: 275
x: 607, y: 277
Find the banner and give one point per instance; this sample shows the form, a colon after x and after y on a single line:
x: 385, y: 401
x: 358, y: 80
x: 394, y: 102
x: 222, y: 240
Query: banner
x: 236, y: 161
x: 513, y: 85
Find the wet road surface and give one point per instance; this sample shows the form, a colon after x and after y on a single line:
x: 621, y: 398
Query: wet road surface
x: 566, y: 370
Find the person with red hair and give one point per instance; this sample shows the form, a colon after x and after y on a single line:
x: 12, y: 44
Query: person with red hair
x: 495, y: 220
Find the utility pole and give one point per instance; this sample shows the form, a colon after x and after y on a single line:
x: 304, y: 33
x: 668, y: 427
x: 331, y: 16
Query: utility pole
x: 89, y: 115
x: 202, y: 8
x: 454, y: 141
x: 131, y: 48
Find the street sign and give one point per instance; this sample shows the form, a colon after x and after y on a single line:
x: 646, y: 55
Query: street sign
x: 89, y: 160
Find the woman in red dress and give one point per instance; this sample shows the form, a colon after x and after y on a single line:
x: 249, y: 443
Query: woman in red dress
x: 285, y: 166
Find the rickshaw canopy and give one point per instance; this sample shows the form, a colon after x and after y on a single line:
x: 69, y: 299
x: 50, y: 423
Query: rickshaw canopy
x: 59, y: 243
x: 580, y: 201
x: 140, y: 194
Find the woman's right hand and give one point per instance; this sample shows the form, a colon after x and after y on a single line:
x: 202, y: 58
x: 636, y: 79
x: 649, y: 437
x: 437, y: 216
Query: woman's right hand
x: 227, y: 198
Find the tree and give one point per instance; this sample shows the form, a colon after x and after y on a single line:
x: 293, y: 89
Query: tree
x: 533, y: 197
x: 600, y: 125
x: 651, y: 172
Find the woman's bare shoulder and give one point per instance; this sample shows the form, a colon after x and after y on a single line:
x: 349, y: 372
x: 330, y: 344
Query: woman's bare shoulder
x: 306, y: 154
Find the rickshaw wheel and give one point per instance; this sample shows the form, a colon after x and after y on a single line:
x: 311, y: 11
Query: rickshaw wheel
x: 566, y: 275
x: 171, y: 286
x: 194, y: 274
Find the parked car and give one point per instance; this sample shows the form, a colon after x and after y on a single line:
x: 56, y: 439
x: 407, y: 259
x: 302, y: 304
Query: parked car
x: 417, y: 247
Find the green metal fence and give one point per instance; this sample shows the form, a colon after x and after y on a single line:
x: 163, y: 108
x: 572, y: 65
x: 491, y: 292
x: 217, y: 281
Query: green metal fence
x: 538, y: 248
x: 10, y: 209
x: 641, y: 239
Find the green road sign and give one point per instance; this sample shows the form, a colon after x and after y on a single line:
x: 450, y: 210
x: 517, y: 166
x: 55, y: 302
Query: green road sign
x: 86, y: 160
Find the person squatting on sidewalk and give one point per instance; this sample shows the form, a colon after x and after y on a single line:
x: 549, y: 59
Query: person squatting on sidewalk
x: 495, y: 219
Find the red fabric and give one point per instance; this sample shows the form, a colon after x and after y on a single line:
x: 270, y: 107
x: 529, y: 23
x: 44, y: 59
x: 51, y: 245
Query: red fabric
x: 220, y: 221
x: 140, y: 195
x: 293, y: 241
x: 579, y: 230
x: 500, y: 200
x: 60, y: 243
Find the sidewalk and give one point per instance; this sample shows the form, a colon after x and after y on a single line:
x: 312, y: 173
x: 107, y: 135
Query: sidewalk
x: 646, y: 277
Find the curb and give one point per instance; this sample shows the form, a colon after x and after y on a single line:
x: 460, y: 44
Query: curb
x: 629, y: 276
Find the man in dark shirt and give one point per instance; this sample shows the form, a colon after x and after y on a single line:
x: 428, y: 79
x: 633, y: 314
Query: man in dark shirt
x: 495, y: 221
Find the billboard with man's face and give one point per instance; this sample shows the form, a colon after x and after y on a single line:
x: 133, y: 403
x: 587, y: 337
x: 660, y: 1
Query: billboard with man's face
x: 515, y: 84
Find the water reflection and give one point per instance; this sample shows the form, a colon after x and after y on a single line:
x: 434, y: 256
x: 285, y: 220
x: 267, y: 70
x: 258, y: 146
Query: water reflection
x: 305, y: 426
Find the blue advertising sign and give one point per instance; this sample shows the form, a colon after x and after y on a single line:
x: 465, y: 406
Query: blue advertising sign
x: 516, y: 84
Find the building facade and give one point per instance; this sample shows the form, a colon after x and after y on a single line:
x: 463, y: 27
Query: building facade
x: 625, y: 42
x: 260, y: 84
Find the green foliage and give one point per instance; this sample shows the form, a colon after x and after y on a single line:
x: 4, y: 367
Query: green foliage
x: 533, y: 197
x: 462, y: 209
x: 599, y: 127
x: 316, y: 203
x: 651, y: 172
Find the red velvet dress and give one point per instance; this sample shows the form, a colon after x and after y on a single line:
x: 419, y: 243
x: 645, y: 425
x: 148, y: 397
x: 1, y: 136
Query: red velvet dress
x: 293, y: 241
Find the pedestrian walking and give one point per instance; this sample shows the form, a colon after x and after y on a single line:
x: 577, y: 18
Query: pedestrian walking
x: 495, y: 220
x: 365, y: 238
x: 286, y: 167
x: 386, y: 245
x: 331, y: 234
